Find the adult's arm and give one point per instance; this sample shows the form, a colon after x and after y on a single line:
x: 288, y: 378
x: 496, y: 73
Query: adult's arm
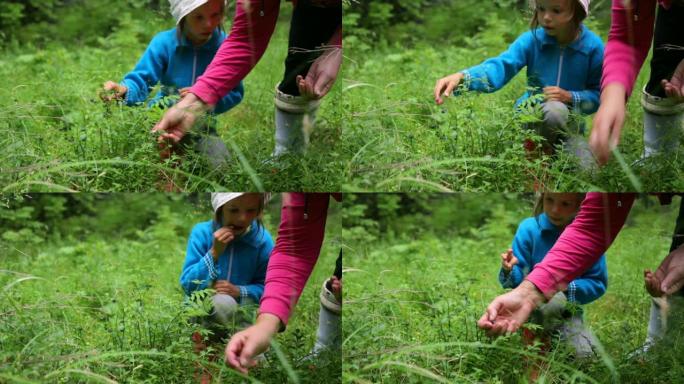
x: 600, y: 218
x: 253, y: 25
x: 300, y: 236
x: 629, y: 41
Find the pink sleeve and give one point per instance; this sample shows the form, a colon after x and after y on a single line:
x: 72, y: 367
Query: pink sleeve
x: 239, y: 53
x: 629, y: 41
x: 582, y: 243
x: 300, y: 236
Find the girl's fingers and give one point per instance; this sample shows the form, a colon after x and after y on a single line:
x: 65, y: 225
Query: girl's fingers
x: 450, y: 88
x: 438, y: 90
x: 225, y: 237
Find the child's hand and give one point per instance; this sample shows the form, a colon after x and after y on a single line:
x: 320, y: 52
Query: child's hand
x: 222, y: 237
x: 184, y: 91
x: 226, y: 288
x: 113, y: 91
x: 445, y: 86
x: 508, y: 260
x: 557, y: 94
x: 652, y: 283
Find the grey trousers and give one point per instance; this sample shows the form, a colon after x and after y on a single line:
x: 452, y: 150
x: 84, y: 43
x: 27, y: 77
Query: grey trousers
x: 208, y: 144
x: 557, y: 319
x: 227, y: 316
x: 557, y: 128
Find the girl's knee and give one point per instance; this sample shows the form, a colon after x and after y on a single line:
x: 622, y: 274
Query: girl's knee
x: 225, y: 307
x: 555, y: 113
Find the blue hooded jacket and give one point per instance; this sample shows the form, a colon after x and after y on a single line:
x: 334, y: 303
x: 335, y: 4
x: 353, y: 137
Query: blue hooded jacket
x: 175, y: 64
x: 533, y: 240
x: 576, y: 67
x: 243, y: 262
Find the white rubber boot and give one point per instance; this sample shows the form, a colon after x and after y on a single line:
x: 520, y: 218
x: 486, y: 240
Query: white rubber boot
x: 294, y: 120
x: 329, y: 334
x: 663, y: 124
x: 657, y: 323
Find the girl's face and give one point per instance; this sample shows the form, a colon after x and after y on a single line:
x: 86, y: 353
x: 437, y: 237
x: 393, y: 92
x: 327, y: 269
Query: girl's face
x: 555, y: 16
x: 561, y: 208
x: 200, y: 23
x: 240, y: 212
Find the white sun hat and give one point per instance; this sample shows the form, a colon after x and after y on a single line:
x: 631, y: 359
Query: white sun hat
x: 583, y: 3
x: 219, y: 199
x: 585, y: 6
x: 181, y: 8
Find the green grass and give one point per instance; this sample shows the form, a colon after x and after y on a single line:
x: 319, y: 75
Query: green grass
x: 413, y: 300
x: 400, y: 140
x: 95, y: 305
x: 57, y: 135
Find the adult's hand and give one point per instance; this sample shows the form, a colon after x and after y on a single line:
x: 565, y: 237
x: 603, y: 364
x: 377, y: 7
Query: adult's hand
x: 671, y: 272
x: 178, y: 120
x: 322, y: 74
x: 605, y: 134
x: 507, y: 312
x: 674, y: 88
x: 248, y: 343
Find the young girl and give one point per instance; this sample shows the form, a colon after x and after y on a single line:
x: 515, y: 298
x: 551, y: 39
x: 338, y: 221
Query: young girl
x: 176, y: 58
x: 633, y: 23
x: 230, y: 254
x: 534, y: 238
x: 563, y: 60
